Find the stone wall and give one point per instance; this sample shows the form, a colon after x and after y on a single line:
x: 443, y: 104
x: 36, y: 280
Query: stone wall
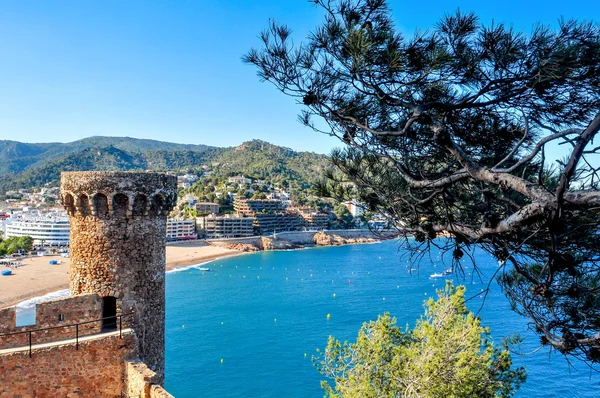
x: 74, y: 310
x: 97, y: 369
x: 118, y: 229
x: 8, y: 318
x: 142, y: 382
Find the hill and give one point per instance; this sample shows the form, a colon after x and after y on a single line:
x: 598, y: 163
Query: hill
x: 259, y: 159
x: 24, y: 165
x: 18, y: 156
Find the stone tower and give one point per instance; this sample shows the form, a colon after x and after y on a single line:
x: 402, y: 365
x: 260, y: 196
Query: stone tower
x: 118, y: 229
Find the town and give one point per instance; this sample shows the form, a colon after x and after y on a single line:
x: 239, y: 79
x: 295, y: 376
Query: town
x: 241, y: 207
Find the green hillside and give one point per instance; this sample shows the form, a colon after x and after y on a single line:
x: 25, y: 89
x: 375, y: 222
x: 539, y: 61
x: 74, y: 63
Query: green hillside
x: 259, y: 159
x: 18, y: 156
x: 25, y: 165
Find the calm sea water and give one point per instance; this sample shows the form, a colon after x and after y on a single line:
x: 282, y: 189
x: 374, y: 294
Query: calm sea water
x: 250, y: 327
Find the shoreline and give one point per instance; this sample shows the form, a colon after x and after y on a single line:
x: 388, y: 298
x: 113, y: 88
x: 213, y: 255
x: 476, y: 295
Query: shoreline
x: 36, y: 278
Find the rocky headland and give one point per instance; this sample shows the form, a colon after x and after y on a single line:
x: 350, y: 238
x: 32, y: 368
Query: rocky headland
x: 297, y: 240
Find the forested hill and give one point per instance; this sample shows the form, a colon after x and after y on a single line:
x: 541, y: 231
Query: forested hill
x: 24, y: 165
x: 261, y: 160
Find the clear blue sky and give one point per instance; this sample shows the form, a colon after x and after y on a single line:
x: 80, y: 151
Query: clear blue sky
x: 171, y: 70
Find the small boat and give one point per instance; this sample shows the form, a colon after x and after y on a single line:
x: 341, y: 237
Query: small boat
x: 6, y: 272
x: 204, y: 269
x: 439, y: 275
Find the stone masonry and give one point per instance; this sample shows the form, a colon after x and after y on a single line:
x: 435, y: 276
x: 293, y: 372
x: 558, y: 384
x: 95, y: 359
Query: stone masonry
x: 53, y: 318
x: 96, y: 369
x: 118, y: 228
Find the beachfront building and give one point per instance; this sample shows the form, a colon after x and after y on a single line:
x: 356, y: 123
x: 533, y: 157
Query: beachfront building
x: 178, y: 229
x: 267, y: 223
x: 52, y: 229
x: 270, y: 215
x: 311, y: 218
x: 250, y: 207
x: 227, y: 226
x: 207, y: 208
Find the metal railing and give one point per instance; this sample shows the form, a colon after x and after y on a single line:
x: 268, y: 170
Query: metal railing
x: 118, y: 320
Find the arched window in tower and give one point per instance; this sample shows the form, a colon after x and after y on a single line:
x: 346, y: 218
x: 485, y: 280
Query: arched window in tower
x: 139, y: 205
x: 120, y: 204
x: 100, y: 203
x: 157, y: 205
x: 84, y: 205
x: 69, y: 203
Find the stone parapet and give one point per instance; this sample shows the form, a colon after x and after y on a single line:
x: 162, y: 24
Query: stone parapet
x: 96, y: 369
x: 57, y: 315
x: 142, y: 382
x: 108, y: 193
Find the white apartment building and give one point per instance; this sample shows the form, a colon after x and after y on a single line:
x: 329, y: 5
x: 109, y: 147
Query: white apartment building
x: 355, y: 207
x: 181, y: 228
x: 52, y: 230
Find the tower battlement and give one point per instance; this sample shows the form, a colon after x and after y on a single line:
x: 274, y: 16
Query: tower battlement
x: 108, y: 194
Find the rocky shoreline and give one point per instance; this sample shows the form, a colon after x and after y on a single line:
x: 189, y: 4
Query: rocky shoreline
x: 318, y: 239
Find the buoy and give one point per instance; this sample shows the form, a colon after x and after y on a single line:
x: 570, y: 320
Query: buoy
x: 221, y: 360
x: 304, y: 355
x: 350, y: 281
x: 328, y: 316
x: 311, y: 275
x: 275, y: 320
x: 222, y: 323
x: 384, y: 299
x: 183, y: 326
x: 286, y: 278
x: 202, y: 273
x: 332, y: 281
x: 333, y: 294
x: 244, y: 276
x: 398, y: 287
x: 258, y: 277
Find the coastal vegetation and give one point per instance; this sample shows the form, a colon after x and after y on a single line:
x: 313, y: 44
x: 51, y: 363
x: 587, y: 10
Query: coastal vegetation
x: 15, y: 244
x: 447, y: 354
x: 448, y: 131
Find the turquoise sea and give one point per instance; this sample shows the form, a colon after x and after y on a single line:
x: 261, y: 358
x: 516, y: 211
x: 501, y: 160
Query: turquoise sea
x: 243, y: 329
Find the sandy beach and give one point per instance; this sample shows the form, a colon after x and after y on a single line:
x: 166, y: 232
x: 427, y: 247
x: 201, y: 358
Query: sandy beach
x: 37, y: 277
